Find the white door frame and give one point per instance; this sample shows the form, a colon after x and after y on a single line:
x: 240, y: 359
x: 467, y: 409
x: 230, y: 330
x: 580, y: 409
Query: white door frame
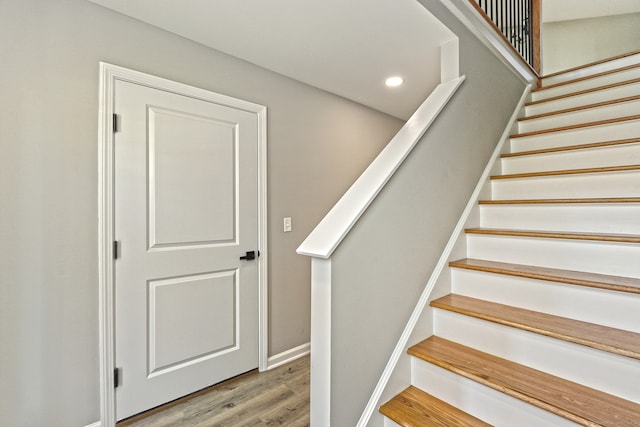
x: 109, y: 74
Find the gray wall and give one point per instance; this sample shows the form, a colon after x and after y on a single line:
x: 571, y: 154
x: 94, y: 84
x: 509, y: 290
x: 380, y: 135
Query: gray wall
x: 568, y: 44
x: 48, y: 188
x: 383, y: 265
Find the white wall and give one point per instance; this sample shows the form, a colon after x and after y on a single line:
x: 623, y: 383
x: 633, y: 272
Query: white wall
x: 48, y: 188
x: 567, y: 44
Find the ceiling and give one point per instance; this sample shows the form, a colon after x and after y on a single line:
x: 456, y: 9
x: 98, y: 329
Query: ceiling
x: 344, y: 47
x: 566, y: 10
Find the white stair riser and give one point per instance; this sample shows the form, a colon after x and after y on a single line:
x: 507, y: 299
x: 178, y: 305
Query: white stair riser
x: 588, y: 115
x: 480, y: 401
x: 609, y: 308
x: 593, y: 368
x: 633, y: 73
x: 623, y: 218
x: 617, y: 259
x: 586, y: 135
x: 612, y: 155
x: 624, y: 91
x: 390, y: 423
x: 594, y: 69
x: 609, y: 184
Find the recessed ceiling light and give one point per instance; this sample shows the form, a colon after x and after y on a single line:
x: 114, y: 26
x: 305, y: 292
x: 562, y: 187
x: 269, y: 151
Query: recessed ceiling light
x: 394, y: 81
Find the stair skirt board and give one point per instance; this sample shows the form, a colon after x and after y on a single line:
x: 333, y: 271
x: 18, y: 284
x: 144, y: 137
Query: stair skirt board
x: 551, y: 278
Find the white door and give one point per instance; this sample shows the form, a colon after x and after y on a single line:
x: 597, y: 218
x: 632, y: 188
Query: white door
x: 186, y: 210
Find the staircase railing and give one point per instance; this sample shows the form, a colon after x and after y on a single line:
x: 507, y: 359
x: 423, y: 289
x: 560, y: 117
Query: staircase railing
x: 518, y: 21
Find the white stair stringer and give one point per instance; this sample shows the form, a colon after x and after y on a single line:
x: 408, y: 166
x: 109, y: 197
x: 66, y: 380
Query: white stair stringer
x: 595, y: 113
x: 574, y: 362
x: 620, y: 75
x: 596, y: 157
x: 606, y: 93
x: 614, y: 309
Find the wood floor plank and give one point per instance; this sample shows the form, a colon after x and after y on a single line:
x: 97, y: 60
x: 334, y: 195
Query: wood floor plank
x: 620, y: 238
x: 415, y: 408
x: 580, y: 404
x: 616, y: 341
x: 248, y: 400
x: 580, y: 278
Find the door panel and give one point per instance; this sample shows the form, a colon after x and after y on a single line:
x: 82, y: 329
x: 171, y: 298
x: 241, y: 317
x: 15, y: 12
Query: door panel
x: 197, y: 155
x: 186, y: 209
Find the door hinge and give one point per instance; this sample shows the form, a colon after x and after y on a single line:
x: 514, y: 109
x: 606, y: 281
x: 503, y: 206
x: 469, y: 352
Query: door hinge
x: 116, y: 123
x: 117, y: 377
x: 116, y: 249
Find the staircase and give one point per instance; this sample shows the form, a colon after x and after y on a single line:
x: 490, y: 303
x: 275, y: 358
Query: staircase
x: 542, y: 326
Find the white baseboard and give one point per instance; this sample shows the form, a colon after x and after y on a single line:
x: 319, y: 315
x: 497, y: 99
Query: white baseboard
x: 96, y: 424
x: 288, y: 356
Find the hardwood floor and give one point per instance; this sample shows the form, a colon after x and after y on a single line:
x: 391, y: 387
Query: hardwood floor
x: 279, y: 397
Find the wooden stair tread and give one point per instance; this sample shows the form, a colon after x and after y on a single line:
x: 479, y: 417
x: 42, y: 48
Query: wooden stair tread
x: 573, y: 147
x: 580, y: 404
x: 583, y: 92
x: 620, y: 238
x: 612, y: 340
x: 593, y: 200
x: 589, y: 77
x: 625, y: 168
x: 580, y: 108
x: 577, y: 126
x: 590, y: 64
x: 415, y: 408
x: 571, y: 277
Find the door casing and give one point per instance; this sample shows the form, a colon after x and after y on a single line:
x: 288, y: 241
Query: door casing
x: 109, y: 74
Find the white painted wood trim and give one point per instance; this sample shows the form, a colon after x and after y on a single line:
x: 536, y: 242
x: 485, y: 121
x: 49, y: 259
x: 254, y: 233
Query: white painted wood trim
x: 96, y: 424
x: 401, y: 346
x: 321, y: 339
x: 289, y: 355
x: 450, y: 60
x: 106, y: 310
x: 328, y: 234
x: 470, y: 17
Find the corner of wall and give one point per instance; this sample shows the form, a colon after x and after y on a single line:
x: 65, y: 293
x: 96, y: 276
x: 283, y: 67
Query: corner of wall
x: 449, y: 60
